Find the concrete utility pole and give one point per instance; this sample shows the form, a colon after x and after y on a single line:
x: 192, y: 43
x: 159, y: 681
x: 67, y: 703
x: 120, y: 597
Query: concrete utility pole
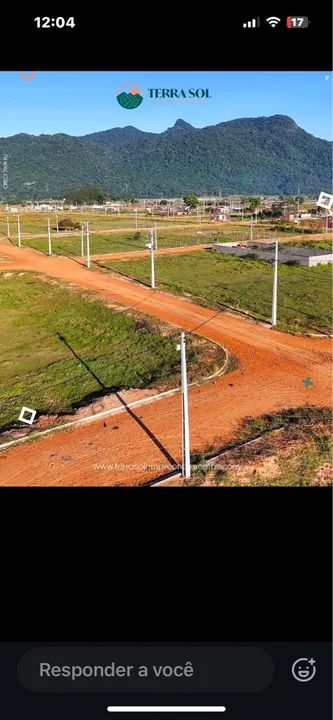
x: 275, y: 284
x: 186, y: 458
x: 8, y: 228
x: 150, y: 246
x: 18, y: 231
x: 82, y: 239
x: 155, y: 236
x: 49, y: 235
x: 251, y: 231
x: 88, y: 245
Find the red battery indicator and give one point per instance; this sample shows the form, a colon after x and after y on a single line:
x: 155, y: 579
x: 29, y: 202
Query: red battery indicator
x: 294, y: 22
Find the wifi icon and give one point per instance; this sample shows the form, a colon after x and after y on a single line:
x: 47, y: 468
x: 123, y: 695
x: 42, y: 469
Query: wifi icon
x: 273, y: 21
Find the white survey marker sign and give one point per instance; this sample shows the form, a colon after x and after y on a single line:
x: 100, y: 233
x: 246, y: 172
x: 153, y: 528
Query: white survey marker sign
x: 29, y: 411
x: 325, y: 200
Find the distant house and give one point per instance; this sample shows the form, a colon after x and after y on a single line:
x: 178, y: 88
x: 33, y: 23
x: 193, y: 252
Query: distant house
x: 220, y: 214
x: 295, y: 217
x: 113, y: 207
x: 45, y: 207
x: 182, y: 210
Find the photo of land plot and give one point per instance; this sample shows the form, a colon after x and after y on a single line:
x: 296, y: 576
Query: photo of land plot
x: 166, y: 281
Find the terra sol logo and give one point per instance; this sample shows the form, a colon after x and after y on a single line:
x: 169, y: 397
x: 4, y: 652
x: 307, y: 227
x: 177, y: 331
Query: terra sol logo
x: 129, y: 98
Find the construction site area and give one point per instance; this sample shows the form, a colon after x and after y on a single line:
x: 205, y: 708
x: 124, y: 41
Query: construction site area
x: 134, y: 353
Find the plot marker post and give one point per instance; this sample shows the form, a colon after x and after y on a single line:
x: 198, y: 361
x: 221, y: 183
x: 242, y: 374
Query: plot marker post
x: 150, y: 246
x: 49, y: 235
x: 275, y: 285
x: 18, y: 231
x: 82, y: 239
x: 186, y: 458
x: 88, y: 245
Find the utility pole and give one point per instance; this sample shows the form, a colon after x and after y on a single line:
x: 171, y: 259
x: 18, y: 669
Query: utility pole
x: 18, y: 231
x: 186, y: 458
x: 251, y: 231
x: 150, y: 246
x: 82, y: 239
x: 155, y: 237
x: 88, y: 245
x: 8, y: 228
x: 49, y: 235
x: 275, y: 284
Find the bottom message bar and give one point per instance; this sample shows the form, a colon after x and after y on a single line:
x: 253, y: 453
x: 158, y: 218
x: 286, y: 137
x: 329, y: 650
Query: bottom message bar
x: 166, y: 708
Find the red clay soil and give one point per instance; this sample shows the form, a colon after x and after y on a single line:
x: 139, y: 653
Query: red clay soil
x: 272, y: 366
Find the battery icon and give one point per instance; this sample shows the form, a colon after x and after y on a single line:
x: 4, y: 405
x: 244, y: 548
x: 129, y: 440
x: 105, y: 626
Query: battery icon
x: 294, y: 21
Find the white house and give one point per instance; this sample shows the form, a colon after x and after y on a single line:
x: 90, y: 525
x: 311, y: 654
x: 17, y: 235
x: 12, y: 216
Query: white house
x: 220, y: 214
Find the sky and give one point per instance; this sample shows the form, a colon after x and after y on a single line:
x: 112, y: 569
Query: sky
x: 78, y: 103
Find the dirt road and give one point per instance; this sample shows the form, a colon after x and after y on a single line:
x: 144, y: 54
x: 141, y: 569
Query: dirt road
x: 269, y: 377
x: 133, y: 254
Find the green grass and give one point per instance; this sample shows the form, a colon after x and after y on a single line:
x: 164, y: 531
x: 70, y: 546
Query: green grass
x: 36, y: 222
x: 105, y: 350
x: 124, y: 241
x: 319, y: 244
x: 304, y: 294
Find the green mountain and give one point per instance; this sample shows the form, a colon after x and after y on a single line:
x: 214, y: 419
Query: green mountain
x: 264, y: 155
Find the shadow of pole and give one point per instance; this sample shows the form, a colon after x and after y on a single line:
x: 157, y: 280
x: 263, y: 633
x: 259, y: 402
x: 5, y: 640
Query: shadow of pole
x: 148, y: 432
x: 90, y: 371
x: 138, y: 420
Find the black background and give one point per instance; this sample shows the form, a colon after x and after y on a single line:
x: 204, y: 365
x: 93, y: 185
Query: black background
x: 172, y: 36
x: 165, y: 564
x: 170, y: 564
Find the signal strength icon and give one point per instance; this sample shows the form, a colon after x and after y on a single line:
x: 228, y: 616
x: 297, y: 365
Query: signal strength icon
x: 254, y: 23
x: 273, y: 21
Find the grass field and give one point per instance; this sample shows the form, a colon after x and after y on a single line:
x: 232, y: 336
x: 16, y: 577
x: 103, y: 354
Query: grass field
x: 304, y: 294
x: 36, y: 222
x: 126, y: 241
x: 120, y: 241
x: 319, y: 244
x: 119, y: 234
x: 295, y: 450
x: 60, y: 347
